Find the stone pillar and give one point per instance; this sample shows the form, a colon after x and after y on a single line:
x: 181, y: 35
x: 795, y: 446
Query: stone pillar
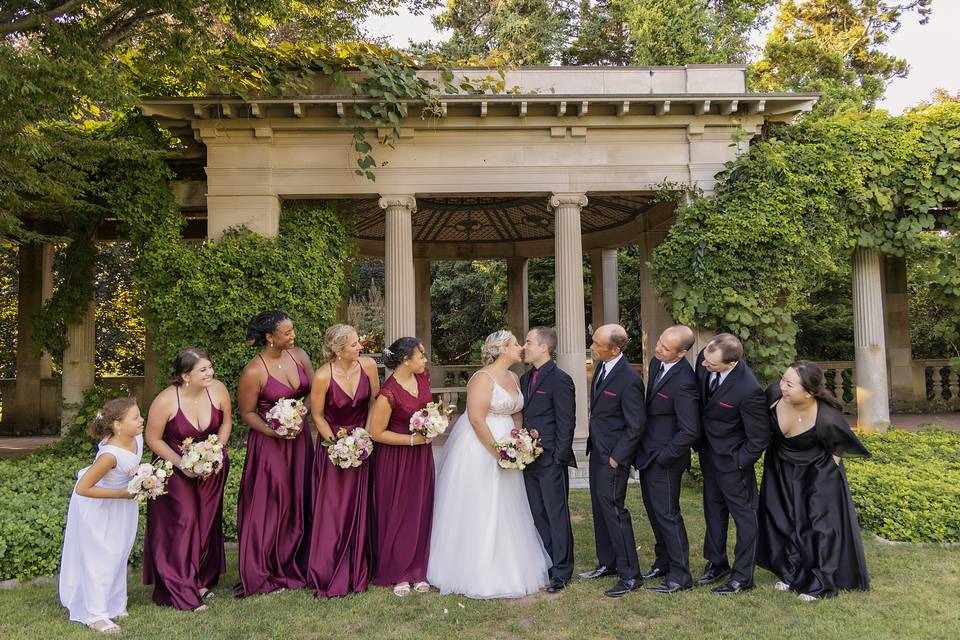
x: 653, y: 315
x: 151, y: 369
x: 518, y: 302
x: 259, y: 213
x: 399, y: 315
x: 421, y: 275
x: 23, y: 413
x: 611, y: 292
x: 897, y: 330
x: 46, y: 362
x: 571, y: 333
x: 596, y: 288
x: 79, y: 364
x: 873, y: 409
x: 343, y: 307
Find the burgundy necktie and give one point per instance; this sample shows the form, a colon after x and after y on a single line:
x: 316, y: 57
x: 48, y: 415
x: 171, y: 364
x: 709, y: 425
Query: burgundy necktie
x: 533, y: 379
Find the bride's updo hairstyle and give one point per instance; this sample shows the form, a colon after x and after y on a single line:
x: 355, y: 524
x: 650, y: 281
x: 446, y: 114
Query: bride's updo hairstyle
x: 335, y: 339
x: 401, y: 349
x: 490, y: 350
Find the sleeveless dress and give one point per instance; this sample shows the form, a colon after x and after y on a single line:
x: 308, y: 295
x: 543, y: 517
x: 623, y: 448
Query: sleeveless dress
x: 484, y: 542
x: 402, y: 492
x: 183, y: 544
x: 809, y: 535
x: 339, y: 540
x: 97, y: 541
x: 273, y: 518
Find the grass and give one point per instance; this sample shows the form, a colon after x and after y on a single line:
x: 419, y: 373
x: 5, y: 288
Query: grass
x: 916, y: 594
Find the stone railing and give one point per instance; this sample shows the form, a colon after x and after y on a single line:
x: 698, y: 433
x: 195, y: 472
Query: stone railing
x: 936, y: 385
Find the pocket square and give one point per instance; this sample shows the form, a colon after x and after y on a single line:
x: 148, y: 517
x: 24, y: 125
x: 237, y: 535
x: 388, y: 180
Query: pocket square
x: 609, y: 393
x: 542, y: 393
x: 725, y: 405
x: 663, y: 395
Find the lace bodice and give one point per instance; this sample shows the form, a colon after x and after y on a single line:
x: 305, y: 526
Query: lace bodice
x: 502, y: 402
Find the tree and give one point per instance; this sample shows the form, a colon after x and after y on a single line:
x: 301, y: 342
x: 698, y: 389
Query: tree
x: 602, y: 34
x: 834, y: 47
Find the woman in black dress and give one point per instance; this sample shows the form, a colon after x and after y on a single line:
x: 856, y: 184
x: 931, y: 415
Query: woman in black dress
x: 809, y: 534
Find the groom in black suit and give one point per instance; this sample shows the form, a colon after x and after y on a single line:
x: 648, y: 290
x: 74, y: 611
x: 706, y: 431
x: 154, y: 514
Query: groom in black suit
x: 550, y: 407
x: 736, y: 430
x: 673, y: 425
x: 617, y: 421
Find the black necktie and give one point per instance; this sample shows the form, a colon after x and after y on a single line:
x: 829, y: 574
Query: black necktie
x: 659, y: 376
x: 602, y: 374
x: 714, y: 384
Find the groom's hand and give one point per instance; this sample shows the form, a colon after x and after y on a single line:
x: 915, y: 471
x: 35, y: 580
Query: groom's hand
x: 613, y: 463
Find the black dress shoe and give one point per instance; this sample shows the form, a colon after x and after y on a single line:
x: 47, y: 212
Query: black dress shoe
x: 599, y: 572
x: 732, y: 587
x: 712, y: 574
x: 669, y: 586
x: 655, y: 572
x: 623, y: 587
x: 556, y: 584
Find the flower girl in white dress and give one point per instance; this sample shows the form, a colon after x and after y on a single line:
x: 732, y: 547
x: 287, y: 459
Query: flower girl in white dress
x: 102, y: 521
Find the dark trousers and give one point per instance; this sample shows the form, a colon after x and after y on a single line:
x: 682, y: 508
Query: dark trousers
x: 725, y: 494
x: 660, y: 487
x: 548, y: 488
x: 612, y: 528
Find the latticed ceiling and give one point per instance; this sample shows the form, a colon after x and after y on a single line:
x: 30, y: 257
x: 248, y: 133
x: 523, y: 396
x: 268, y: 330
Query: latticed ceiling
x: 494, y: 219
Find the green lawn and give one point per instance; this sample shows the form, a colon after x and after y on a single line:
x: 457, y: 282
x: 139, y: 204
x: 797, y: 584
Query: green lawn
x: 916, y: 595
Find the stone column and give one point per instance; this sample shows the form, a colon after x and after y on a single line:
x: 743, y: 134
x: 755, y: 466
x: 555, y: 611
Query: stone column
x: 343, y: 307
x: 79, y: 364
x: 897, y: 330
x: 653, y: 315
x: 421, y: 275
x: 518, y: 302
x: 23, y: 413
x: 259, y: 213
x: 46, y: 362
x: 873, y: 409
x: 610, y: 281
x: 399, y: 315
x: 596, y: 288
x: 151, y: 369
x: 571, y: 333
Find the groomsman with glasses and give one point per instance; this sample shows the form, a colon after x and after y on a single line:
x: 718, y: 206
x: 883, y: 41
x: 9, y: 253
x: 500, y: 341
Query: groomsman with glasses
x: 736, y: 431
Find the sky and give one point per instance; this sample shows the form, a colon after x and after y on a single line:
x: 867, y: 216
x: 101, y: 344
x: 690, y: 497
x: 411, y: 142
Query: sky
x: 926, y: 48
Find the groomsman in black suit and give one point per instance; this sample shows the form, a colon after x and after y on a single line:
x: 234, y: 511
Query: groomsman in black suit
x: 736, y: 430
x: 550, y: 407
x: 673, y: 426
x: 617, y: 420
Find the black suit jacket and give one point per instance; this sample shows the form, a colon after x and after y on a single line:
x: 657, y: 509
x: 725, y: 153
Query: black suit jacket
x: 551, y: 409
x: 673, y: 416
x: 617, y: 416
x: 735, y: 420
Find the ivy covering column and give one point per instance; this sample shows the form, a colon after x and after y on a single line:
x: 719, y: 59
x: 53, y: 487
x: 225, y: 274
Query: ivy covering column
x: 79, y: 364
x: 399, y: 315
x: 873, y: 402
x: 571, y: 333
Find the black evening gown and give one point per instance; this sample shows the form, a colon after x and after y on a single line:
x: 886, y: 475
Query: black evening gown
x: 809, y: 533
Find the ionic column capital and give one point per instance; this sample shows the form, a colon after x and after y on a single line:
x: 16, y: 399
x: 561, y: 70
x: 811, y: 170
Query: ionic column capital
x: 408, y: 202
x: 561, y: 199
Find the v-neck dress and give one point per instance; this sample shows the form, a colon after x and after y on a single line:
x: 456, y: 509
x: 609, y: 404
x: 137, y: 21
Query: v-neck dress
x: 273, y: 518
x: 183, y: 544
x: 340, y: 552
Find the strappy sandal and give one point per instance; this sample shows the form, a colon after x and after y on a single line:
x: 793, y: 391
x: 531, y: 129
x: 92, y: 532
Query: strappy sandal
x: 200, y: 607
x: 806, y: 597
x: 401, y: 590
x: 422, y: 587
x: 106, y: 626
x: 207, y: 594
x: 121, y: 615
x: 781, y: 586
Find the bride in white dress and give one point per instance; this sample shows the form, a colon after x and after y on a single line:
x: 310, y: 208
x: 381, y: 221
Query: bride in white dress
x: 484, y: 543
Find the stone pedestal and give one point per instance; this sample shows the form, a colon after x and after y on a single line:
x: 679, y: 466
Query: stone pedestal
x: 399, y: 314
x: 873, y: 404
x: 79, y: 364
x: 571, y: 333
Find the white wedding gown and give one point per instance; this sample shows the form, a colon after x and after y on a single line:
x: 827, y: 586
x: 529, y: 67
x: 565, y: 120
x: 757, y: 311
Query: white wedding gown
x: 484, y: 543
x: 96, y: 544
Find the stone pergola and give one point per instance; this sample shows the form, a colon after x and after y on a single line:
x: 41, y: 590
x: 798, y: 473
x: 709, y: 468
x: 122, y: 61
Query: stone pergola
x: 565, y: 164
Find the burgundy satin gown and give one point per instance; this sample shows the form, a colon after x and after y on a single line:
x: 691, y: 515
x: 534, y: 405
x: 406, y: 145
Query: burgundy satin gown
x: 273, y: 518
x: 183, y: 543
x: 403, y: 479
x: 340, y: 552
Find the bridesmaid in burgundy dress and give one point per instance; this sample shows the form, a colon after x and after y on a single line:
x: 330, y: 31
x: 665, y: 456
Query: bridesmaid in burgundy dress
x: 273, y: 518
x: 340, y: 397
x: 402, y: 472
x: 183, y: 546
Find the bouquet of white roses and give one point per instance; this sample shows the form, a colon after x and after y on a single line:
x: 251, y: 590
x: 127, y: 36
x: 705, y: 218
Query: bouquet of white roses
x: 519, y: 449
x: 432, y: 420
x: 149, y: 480
x: 203, y: 458
x: 286, y: 417
x: 349, y: 449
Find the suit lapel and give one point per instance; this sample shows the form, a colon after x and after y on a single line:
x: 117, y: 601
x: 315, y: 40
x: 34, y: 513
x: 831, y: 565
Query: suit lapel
x: 606, y: 378
x: 670, y: 372
x: 545, y: 372
x: 727, y: 383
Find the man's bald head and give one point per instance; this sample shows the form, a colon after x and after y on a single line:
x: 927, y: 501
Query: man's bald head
x: 674, y: 343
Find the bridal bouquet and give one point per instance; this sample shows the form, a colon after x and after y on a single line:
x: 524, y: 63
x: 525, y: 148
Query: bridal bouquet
x: 432, y: 420
x: 286, y: 417
x: 203, y: 458
x: 519, y: 449
x: 349, y: 449
x: 149, y: 481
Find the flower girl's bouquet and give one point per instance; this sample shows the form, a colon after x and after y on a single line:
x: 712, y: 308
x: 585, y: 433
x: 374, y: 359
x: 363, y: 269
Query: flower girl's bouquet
x: 519, y: 449
x: 286, y: 417
x: 432, y: 420
x: 149, y: 481
x: 349, y: 449
x: 203, y: 458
